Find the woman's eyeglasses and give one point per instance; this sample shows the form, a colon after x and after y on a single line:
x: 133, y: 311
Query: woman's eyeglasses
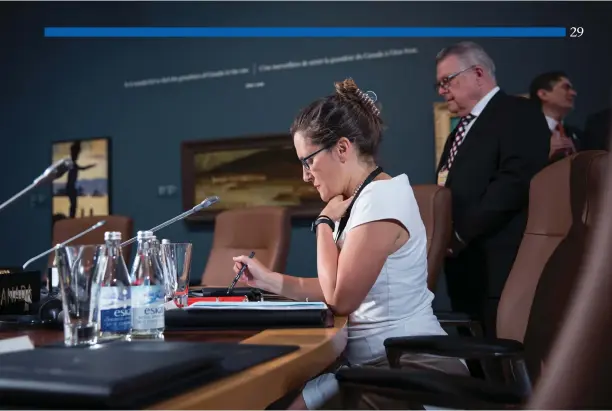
x: 306, y: 161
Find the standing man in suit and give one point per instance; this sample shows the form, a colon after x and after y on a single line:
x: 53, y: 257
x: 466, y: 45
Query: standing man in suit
x: 556, y: 94
x: 500, y: 143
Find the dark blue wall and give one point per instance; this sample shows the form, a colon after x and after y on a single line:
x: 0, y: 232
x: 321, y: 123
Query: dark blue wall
x: 55, y: 89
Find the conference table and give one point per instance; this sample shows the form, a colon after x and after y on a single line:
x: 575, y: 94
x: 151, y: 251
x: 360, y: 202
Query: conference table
x: 256, y: 387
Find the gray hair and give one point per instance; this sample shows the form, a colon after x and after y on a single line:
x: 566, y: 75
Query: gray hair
x: 470, y: 54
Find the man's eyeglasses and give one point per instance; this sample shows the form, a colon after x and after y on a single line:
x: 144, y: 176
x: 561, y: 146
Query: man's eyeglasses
x: 445, y: 82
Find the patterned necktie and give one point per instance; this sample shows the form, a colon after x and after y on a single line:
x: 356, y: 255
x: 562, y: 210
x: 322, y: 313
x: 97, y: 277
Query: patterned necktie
x: 459, y: 137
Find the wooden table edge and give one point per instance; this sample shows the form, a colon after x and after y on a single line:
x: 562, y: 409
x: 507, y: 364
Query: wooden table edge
x: 259, y: 386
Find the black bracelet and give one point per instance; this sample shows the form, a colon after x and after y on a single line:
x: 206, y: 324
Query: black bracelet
x: 322, y: 219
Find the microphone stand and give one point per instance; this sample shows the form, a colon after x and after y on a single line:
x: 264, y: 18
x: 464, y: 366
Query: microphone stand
x: 54, y: 171
x: 18, y: 195
x: 204, y: 204
x: 90, y: 229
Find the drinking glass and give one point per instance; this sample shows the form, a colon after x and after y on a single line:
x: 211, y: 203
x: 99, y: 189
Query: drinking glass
x: 176, y: 260
x: 81, y: 270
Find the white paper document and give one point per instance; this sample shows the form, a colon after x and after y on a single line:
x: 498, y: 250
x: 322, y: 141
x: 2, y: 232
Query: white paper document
x: 258, y: 305
x: 22, y: 343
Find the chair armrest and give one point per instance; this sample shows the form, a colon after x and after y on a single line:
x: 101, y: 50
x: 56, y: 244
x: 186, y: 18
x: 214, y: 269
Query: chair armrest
x: 432, y: 388
x: 450, y: 346
x: 458, y: 320
x: 453, y: 317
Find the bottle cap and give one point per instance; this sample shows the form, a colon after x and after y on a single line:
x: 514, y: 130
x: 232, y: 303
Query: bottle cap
x: 112, y: 235
x: 144, y: 234
x: 165, y: 241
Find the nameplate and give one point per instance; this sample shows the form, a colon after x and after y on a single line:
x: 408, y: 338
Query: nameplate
x: 18, y: 290
x: 10, y: 270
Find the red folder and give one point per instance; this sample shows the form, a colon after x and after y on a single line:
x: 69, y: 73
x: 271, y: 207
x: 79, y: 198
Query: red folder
x: 235, y: 299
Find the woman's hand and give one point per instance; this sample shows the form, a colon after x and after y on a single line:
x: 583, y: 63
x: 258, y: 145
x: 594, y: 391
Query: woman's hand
x: 255, y: 275
x: 336, y: 207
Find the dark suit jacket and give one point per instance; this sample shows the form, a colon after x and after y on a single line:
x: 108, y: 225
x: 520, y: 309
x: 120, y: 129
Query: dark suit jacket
x: 575, y: 134
x: 490, y: 176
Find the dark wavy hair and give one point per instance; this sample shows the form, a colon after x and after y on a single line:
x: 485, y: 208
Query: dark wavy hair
x: 349, y: 112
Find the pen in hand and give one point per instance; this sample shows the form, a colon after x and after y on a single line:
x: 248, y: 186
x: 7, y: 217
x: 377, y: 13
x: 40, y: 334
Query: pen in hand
x: 244, y: 266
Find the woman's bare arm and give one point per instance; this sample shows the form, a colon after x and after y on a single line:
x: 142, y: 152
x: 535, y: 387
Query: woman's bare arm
x: 346, y: 277
x: 296, y: 288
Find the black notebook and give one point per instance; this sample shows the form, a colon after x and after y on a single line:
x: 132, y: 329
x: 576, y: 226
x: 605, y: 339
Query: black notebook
x: 119, y: 375
x: 224, y: 318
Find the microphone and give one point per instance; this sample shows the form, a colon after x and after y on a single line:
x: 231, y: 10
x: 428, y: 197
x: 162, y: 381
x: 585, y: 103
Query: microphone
x: 52, y: 172
x: 204, y: 204
x: 55, y: 171
x: 79, y: 235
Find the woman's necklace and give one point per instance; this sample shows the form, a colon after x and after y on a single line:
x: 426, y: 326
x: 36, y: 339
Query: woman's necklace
x: 363, y: 181
x: 358, y: 187
x: 344, y: 218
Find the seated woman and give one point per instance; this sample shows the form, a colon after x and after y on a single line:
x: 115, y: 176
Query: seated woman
x: 371, y: 262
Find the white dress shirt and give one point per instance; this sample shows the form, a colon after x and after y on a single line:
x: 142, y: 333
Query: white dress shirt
x: 552, y: 123
x: 479, y: 107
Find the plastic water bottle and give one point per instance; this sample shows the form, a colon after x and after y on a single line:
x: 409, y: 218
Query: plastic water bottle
x: 147, y: 289
x: 155, y: 242
x: 115, y: 309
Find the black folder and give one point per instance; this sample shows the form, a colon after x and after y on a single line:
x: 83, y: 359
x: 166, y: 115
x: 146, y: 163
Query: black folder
x: 223, y: 319
x: 120, y: 375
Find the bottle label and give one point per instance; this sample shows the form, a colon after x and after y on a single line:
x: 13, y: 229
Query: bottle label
x: 115, y: 309
x: 148, y: 307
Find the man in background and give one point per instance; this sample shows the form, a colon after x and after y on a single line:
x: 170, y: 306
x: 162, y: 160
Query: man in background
x: 556, y: 94
x: 500, y: 143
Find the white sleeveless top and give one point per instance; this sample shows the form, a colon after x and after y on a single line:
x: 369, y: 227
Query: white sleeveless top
x: 399, y: 303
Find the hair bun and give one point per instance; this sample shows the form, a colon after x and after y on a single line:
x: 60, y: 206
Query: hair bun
x: 348, y: 90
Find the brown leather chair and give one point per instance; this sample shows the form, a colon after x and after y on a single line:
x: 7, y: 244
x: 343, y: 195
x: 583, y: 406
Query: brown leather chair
x: 579, y: 369
x: 561, y: 274
x: 67, y: 228
x: 564, y: 204
x: 435, y: 209
x: 265, y: 230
